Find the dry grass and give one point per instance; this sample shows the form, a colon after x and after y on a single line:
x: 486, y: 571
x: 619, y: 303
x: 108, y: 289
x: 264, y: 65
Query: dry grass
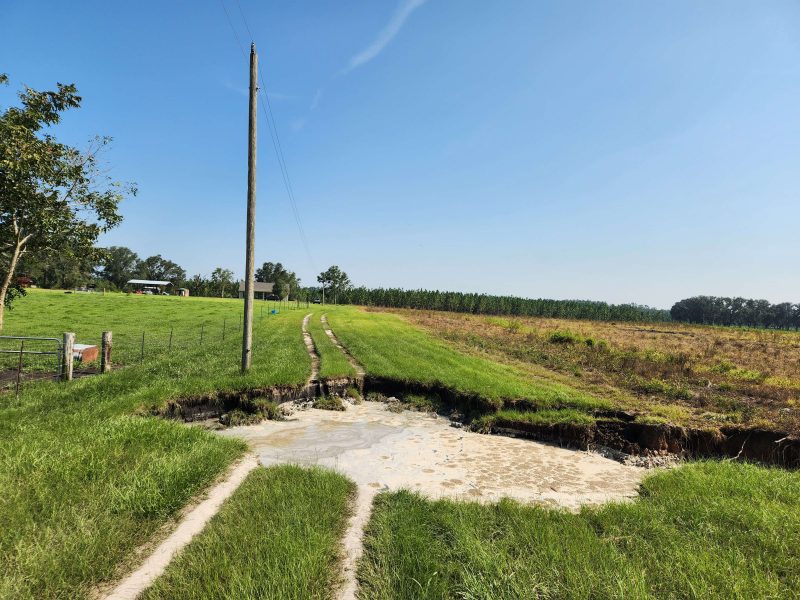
x: 685, y: 374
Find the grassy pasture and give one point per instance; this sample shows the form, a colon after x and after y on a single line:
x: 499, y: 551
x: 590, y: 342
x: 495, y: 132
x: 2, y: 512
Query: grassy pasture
x: 189, y: 321
x: 701, y: 376
x: 706, y: 530
x: 276, y: 537
x: 85, y: 476
x: 388, y: 346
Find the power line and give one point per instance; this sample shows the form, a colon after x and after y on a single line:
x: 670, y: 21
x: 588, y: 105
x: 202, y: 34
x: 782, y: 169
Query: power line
x: 273, y: 132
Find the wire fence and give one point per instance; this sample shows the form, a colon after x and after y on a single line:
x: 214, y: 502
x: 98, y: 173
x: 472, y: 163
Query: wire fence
x: 27, y: 359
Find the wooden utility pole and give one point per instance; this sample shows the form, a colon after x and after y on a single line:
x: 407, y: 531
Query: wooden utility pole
x: 249, y: 269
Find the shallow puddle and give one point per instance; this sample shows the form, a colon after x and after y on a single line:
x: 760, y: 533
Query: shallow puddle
x: 382, y: 450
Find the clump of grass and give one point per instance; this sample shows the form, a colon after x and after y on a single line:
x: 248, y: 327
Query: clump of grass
x: 658, y: 386
x: 423, y: 403
x: 704, y: 530
x: 276, y: 537
x: 651, y: 419
x: 726, y: 367
x: 565, y: 337
x: 354, y: 394
x: 329, y: 403
x: 261, y: 408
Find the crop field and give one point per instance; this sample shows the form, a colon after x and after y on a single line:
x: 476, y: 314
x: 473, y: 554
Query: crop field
x: 89, y: 473
x: 702, y: 376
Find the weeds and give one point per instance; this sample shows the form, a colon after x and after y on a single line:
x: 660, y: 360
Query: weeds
x: 329, y: 403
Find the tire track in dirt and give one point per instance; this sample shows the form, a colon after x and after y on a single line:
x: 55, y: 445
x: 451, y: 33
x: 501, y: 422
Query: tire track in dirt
x: 360, y: 372
x: 353, y: 541
x: 313, y: 384
x: 190, y: 525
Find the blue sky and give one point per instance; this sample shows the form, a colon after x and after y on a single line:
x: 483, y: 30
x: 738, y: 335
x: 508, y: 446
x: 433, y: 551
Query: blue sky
x: 621, y: 151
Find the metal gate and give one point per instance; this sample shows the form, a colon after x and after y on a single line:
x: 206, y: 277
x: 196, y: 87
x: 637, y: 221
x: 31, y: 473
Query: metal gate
x: 13, y: 351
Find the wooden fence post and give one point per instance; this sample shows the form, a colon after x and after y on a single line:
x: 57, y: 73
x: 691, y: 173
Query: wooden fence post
x: 19, y: 366
x: 105, y: 352
x: 67, y: 348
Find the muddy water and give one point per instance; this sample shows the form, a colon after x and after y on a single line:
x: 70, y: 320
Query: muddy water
x: 382, y: 450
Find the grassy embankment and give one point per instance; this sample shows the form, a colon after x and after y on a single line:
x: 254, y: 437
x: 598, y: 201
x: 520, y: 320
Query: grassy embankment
x: 707, y: 530
x: 389, y: 347
x: 86, y: 476
x: 276, y: 537
x: 692, y: 375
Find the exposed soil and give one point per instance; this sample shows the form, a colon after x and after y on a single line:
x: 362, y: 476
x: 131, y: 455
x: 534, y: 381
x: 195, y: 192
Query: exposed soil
x: 383, y: 450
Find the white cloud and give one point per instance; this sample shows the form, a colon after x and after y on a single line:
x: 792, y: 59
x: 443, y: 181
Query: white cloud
x: 386, y: 35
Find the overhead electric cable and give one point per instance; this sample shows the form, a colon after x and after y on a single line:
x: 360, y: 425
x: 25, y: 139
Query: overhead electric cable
x: 272, y: 127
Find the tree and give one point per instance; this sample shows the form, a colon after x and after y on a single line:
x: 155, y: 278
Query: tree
x: 221, y: 279
x: 119, y: 265
x: 160, y: 269
x: 59, y: 269
x: 286, y: 283
x: 335, y: 280
x: 52, y: 196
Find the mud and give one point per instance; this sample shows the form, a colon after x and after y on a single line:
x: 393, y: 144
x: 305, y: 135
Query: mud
x: 381, y: 450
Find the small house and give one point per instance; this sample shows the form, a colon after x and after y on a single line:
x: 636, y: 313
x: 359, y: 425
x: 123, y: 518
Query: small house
x: 261, y: 290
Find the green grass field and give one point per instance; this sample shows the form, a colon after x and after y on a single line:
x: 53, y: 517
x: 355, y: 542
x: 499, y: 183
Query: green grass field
x: 276, y: 537
x: 85, y: 480
x: 707, y: 530
x: 87, y: 476
x: 387, y: 346
x: 190, y: 322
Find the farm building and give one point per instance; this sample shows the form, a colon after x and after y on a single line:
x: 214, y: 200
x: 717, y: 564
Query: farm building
x: 147, y: 286
x: 261, y: 290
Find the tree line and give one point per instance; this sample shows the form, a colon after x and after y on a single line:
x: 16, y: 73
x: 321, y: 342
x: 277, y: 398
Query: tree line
x: 712, y: 310
x: 488, y: 304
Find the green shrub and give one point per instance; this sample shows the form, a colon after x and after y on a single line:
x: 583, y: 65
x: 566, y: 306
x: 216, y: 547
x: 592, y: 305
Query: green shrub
x: 329, y: 403
x: 564, y: 337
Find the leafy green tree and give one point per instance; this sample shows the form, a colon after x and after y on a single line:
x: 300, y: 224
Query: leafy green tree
x: 52, y: 196
x: 286, y: 283
x: 221, y: 279
x: 160, y: 269
x: 119, y: 265
x: 335, y: 281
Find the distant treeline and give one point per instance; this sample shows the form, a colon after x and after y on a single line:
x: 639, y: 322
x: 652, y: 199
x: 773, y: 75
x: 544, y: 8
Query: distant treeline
x: 711, y: 310
x: 486, y: 304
